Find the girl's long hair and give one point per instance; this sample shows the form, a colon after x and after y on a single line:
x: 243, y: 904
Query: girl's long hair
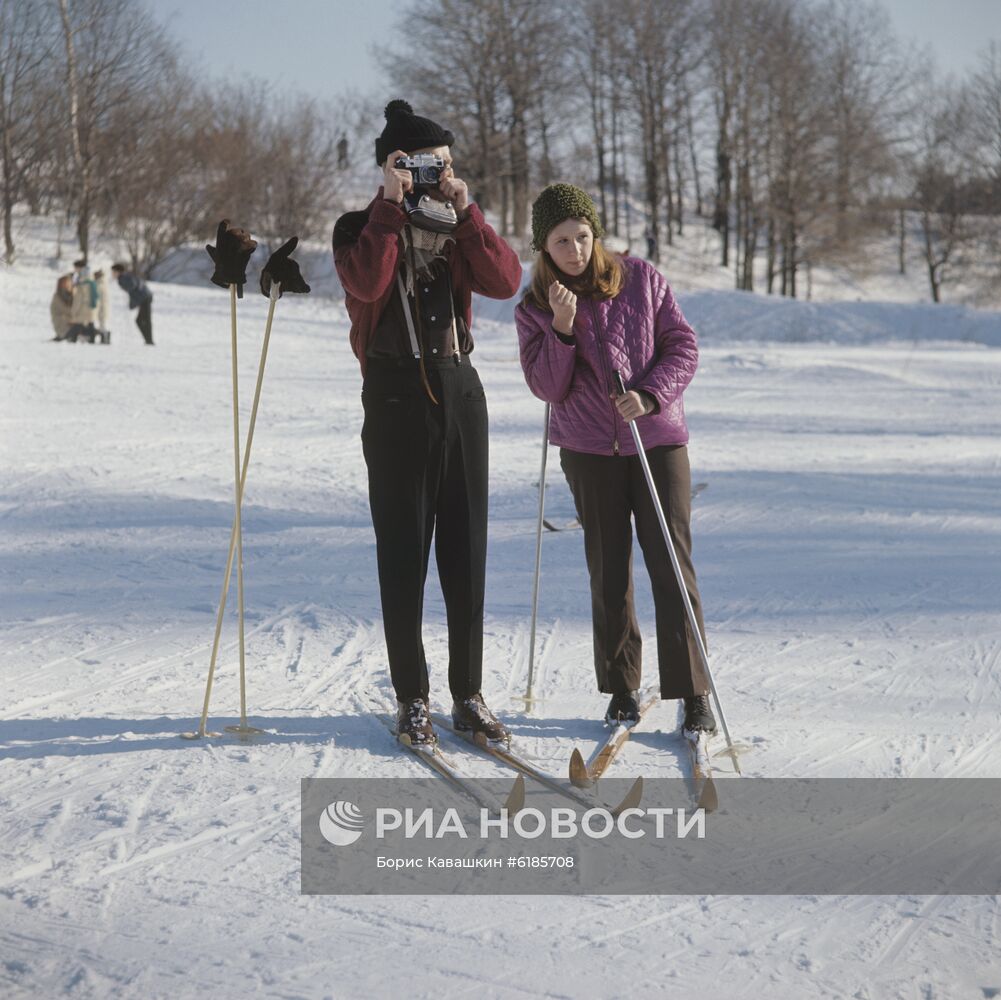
x: 601, y: 279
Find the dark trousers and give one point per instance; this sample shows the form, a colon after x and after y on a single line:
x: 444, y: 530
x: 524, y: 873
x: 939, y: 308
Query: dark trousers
x: 427, y: 475
x: 144, y: 320
x: 608, y: 490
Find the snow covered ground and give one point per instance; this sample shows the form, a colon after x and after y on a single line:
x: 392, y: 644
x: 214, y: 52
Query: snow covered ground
x: 848, y: 546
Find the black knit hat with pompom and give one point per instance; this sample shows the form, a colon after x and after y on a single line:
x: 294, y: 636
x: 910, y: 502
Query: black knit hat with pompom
x: 407, y: 131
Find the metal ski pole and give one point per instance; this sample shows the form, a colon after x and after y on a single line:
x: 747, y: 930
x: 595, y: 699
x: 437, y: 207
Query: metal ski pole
x: 227, y: 576
x: 529, y: 697
x: 703, y: 655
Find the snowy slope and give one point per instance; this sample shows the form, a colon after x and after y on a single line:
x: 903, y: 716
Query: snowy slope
x: 847, y: 547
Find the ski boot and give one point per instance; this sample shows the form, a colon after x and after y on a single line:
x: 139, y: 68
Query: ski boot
x: 623, y: 709
x: 413, y: 723
x: 471, y: 715
x: 698, y: 715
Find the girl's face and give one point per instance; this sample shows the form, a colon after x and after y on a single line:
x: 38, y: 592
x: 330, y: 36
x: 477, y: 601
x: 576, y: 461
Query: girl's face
x: 570, y: 245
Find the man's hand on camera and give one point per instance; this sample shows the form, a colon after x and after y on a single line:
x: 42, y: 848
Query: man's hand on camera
x: 396, y: 182
x: 563, y: 303
x: 455, y: 191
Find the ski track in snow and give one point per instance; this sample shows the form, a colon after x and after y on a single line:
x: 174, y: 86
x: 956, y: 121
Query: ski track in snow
x: 847, y: 552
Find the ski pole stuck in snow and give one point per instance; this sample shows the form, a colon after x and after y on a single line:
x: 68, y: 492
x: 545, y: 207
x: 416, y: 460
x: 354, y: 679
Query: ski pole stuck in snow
x: 529, y: 697
x: 281, y: 273
x: 693, y: 623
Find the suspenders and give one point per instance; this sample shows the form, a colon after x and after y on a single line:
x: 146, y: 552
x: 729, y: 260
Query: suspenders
x: 415, y: 339
x: 415, y: 343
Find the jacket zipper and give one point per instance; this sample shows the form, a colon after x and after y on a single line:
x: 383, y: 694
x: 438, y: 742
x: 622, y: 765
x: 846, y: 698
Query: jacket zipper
x: 604, y: 370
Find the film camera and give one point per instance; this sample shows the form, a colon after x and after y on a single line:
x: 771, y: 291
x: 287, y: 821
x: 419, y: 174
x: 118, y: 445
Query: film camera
x: 424, y: 211
x: 425, y: 168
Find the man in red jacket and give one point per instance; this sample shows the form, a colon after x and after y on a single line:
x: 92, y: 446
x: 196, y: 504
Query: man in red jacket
x: 409, y: 264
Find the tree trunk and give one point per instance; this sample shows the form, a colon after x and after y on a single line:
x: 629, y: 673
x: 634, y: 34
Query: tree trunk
x: 615, y: 162
x: 598, y: 136
x: 505, y: 185
x: 546, y: 166
x: 519, y: 171
x: 83, y: 172
x: 721, y: 216
x: 678, y: 185
x: 485, y: 195
x: 770, y: 276
x: 902, y: 249
x: 650, y: 152
x: 933, y: 265
x: 792, y: 241
x: 8, y: 186
x: 664, y: 163
x: 628, y: 205
x: 738, y: 237
x: 690, y: 126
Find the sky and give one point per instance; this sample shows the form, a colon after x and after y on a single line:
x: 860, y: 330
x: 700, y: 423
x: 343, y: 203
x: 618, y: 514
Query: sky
x: 324, y: 47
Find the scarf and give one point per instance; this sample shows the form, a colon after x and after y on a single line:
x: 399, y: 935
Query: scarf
x: 428, y: 247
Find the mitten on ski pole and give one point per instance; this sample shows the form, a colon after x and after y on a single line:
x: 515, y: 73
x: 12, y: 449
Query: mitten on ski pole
x: 233, y: 249
x: 282, y: 271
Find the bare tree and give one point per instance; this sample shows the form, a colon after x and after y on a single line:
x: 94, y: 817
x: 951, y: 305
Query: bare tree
x: 154, y: 192
x: 942, y: 183
x: 25, y: 49
x: 725, y: 56
x: 982, y: 97
x: 664, y: 43
x: 866, y: 78
x: 467, y: 96
x: 114, y: 52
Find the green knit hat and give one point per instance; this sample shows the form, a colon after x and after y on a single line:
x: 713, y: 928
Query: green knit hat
x: 557, y: 203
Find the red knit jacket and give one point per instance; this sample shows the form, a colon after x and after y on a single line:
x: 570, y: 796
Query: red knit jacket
x: 367, y: 248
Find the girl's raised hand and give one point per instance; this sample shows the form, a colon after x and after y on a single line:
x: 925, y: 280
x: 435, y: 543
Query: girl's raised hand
x: 563, y: 303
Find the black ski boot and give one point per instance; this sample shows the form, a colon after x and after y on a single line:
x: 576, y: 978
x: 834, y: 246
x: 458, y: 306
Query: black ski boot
x: 698, y: 715
x: 413, y: 723
x: 623, y: 709
x: 471, y: 715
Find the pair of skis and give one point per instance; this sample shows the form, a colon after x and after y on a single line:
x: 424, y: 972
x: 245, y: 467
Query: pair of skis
x: 585, y: 775
x: 445, y: 766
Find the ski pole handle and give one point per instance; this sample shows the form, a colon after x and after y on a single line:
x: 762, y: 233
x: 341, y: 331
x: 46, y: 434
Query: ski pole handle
x: 619, y: 384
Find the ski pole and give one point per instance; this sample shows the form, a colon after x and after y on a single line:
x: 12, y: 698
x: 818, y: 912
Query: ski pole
x: 238, y: 496
x: 690, y: 611
x: 227, y: 576
x: 529, y: 698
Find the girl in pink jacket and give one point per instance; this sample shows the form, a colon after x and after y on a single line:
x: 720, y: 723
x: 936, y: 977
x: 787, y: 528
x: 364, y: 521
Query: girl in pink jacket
x: 586, y: 315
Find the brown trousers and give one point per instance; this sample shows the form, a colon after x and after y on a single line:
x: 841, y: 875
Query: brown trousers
x: 608, y: 491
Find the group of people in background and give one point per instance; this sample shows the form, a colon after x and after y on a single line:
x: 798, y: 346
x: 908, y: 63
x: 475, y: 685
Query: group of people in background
x: 80, y: 306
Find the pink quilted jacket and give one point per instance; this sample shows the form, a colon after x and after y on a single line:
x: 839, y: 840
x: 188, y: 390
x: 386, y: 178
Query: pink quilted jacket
x: 642, y: 333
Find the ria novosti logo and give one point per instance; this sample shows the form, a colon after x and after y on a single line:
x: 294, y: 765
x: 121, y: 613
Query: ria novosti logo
x: 341, y: 823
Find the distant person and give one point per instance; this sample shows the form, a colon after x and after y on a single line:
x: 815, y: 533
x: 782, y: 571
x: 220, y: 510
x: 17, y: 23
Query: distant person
x: 651, y: 243
x: 140, y: 297
x: 84, y: 305
x: 61, y: 307
x: 103, y: 305
x: 342, y: 153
